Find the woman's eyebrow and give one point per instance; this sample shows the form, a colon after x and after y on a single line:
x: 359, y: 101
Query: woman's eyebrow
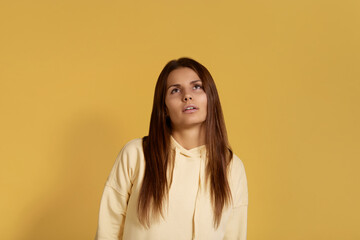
x: 192, y: 82
x: 178, y: 85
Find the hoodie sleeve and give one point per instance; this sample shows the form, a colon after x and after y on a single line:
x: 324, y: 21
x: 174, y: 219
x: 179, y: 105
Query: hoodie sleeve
x: 115, y: 196
x: 236, y: 228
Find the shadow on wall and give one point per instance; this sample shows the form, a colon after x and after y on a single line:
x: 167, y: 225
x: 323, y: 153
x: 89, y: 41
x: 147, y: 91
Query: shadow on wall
x: 87, y: 151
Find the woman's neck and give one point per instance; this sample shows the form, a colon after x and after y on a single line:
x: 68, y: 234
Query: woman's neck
x: 190, y: 138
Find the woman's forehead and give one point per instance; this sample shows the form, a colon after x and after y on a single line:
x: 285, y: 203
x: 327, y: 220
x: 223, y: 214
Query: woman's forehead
x: 182, y: 75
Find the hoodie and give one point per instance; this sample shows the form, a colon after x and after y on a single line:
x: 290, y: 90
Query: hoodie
x: 187, y: 213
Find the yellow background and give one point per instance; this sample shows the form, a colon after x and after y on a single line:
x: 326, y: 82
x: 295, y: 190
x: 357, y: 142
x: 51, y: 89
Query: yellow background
x: 77, y: 81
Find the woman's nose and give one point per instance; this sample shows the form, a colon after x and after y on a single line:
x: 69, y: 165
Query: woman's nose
x: 187, y: 97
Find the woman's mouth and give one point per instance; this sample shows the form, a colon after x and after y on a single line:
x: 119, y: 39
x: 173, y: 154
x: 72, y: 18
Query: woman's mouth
x: 190, y: 109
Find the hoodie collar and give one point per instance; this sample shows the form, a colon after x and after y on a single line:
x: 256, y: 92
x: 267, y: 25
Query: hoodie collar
x: 197, y: 152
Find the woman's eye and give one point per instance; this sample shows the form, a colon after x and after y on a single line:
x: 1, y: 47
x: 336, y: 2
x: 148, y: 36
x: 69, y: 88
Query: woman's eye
x: 174, y: 90
x: 197, y: 86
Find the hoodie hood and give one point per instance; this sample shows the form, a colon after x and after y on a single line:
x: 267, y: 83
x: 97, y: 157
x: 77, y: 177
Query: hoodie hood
x: 197, y: 152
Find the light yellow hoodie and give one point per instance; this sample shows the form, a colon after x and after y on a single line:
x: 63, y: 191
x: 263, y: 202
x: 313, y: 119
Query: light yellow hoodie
x: 188, y: 214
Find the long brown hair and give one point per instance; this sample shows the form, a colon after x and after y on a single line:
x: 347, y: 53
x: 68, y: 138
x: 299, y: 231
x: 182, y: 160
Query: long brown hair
x: 156, y: 145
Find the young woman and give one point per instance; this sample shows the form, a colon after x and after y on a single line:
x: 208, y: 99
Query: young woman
x: 182, y: 181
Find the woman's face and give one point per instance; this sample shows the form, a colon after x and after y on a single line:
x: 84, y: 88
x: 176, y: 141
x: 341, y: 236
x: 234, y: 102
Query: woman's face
x: 185, y: 99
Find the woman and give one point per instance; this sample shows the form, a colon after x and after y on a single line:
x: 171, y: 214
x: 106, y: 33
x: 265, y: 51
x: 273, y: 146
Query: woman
x: 182, y: 181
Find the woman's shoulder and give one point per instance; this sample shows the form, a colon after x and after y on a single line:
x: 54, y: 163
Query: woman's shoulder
x: 128, y: 160
x: 131, y: 147
x: 133, y: 143
x: 238, y: 181
x: 131, y: 152
x: 126, y: 166
x: 237, y: 164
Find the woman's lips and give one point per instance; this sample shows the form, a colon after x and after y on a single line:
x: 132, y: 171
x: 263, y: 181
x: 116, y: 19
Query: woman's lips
x: 190, y: 106
x: 191, y: 110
